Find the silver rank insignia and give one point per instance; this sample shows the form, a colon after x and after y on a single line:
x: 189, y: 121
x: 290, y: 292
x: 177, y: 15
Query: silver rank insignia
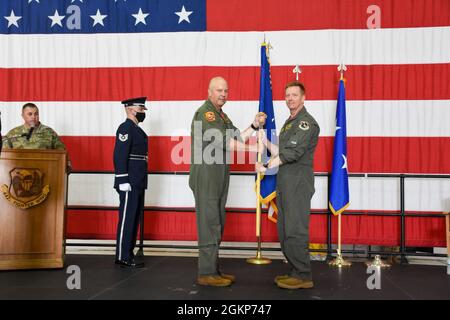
x: 123, y: 137
x: 304, y: 125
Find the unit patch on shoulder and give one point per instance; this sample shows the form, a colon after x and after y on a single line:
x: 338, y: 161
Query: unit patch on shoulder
x: 123, y: 137
x: 304, y: 125
x: 210, y: 116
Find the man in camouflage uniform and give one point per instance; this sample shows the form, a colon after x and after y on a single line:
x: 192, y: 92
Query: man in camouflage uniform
x: 295, y: 186
x: 1, y: 144
x: 32, y: 134
x: 213, y: 136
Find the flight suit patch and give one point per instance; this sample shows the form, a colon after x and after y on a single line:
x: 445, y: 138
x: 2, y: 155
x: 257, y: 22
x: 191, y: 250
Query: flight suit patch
x: 286, y: 127
x: 123, y: 137
x: 304, y: 125
x: 225, y: 118
x: 210, y: 116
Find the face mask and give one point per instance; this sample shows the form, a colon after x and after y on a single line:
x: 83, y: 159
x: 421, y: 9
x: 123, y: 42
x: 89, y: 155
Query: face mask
x: 140, y: 116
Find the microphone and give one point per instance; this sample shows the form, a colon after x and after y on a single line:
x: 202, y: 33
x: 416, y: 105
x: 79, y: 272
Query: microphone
x: 26, y: 135
x: 29, y: 133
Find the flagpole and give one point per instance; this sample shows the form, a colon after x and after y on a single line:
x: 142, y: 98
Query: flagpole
x: 339, y: 235
x: 258, y: 259
x: 339, y: 261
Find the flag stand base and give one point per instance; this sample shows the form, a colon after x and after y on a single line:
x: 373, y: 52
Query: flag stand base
x: 339, y: 262
x: 377, y: 262
x: 258, y: 259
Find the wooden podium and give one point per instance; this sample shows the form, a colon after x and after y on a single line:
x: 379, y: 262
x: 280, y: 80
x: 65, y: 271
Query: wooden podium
x: 32, y: 208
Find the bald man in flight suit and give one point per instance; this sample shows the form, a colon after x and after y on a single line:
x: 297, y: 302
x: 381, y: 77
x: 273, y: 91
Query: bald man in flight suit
x: 213, y: 137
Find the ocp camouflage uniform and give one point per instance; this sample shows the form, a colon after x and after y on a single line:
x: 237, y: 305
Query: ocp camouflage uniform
x: 209, y: 180
x: 42, y: 137
x: 295, y: 188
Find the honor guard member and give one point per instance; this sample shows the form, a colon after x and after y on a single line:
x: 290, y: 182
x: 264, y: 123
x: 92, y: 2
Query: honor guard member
x: 295, y: 186
x: 130, y: 168
x: 213, y: 136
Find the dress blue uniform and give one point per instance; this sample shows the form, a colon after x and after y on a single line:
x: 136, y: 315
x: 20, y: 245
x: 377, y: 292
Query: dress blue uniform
x: 130, y: 166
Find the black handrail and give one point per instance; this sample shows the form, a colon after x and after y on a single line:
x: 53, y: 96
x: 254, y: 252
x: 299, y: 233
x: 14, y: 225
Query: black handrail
x: 402, y: 214
x: 402, y: 219
x: 317, y: 174
x: 241, y: 210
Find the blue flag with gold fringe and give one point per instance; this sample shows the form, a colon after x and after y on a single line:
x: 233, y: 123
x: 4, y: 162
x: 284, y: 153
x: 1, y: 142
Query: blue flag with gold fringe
x: 339, y: 193
x: 269, y: 181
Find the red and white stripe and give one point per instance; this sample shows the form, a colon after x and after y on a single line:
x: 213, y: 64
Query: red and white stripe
x: 397, y: 91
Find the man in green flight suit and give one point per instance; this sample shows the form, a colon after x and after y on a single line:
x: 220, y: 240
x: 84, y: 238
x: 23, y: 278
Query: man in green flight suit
x: 32, y: 134
x: 295, y: 186
x: 213, y: 137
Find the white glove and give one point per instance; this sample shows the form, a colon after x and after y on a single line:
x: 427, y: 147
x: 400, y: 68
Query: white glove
x: 125, y: 187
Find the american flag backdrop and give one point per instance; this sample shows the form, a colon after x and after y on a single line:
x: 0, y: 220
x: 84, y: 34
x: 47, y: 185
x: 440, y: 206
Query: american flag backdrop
x: 76, y: 59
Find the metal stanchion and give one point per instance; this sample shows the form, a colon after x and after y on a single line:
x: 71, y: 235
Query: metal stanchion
x: 377, y: 262
x: 140, y: 252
